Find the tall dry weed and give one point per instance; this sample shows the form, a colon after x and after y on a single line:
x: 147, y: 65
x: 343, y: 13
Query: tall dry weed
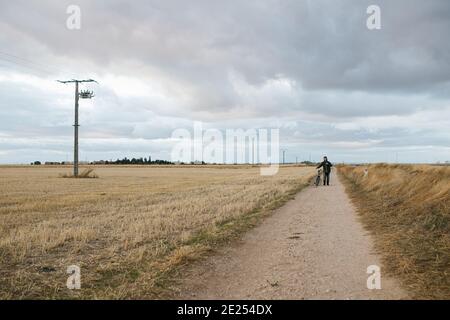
x: 407, y: 208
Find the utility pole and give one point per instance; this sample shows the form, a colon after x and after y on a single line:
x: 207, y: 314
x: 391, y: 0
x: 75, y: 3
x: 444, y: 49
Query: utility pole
x: 83, y: 95
x: 76, y: 125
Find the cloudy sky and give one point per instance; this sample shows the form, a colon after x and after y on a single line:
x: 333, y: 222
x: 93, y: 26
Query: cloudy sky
x: 309, y: 67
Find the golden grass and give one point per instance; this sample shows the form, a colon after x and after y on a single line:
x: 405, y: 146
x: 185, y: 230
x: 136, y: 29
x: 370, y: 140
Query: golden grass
x: 407, y: 208
x: 127, y: 230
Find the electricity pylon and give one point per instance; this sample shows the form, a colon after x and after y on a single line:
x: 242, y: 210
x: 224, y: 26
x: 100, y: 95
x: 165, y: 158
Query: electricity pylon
x: 83, y: 95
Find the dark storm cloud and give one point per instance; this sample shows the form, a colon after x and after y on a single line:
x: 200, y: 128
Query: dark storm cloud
x: 319, y: 44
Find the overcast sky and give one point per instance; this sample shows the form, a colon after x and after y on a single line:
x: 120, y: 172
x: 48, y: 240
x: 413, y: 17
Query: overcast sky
x: 311, y: 68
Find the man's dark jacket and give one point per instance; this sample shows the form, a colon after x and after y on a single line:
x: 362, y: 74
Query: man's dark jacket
x: 326, y: 166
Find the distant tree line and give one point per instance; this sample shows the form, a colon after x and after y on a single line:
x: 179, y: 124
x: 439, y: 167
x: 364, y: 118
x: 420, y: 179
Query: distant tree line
x: 138, y: 161
x: 132, y: 161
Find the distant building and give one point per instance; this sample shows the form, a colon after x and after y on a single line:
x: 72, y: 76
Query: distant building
x: 48, y: 163
x: 99, y: 162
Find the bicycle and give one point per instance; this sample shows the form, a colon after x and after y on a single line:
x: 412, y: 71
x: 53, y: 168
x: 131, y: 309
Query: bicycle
x: 318, y: 178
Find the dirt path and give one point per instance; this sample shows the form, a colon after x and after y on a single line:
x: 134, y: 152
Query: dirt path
x: 312, y: 248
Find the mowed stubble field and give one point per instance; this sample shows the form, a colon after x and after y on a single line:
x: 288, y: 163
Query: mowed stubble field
x: 129, y: 229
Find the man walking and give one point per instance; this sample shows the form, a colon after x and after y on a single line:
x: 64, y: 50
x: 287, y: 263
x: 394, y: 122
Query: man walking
x: 326, y: 165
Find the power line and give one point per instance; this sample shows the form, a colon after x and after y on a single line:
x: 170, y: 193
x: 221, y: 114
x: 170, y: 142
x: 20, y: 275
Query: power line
x: 40, y: 65
x: 27, y: 63
x: 33, y: 70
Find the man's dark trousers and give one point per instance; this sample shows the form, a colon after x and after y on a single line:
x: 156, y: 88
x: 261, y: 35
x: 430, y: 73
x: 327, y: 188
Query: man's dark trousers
x: 326, y: 179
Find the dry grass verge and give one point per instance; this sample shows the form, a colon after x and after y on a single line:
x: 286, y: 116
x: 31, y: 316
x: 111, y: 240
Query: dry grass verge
x: 407, y: 208
x: 130, y: 230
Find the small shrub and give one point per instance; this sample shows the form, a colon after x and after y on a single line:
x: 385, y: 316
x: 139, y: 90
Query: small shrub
x: 86, y: 174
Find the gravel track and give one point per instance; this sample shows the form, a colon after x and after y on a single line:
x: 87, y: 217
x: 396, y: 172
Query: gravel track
x: 314, y: 247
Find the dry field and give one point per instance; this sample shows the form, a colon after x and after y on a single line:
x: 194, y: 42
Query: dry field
x: 129, y: 229
x: 407, y: 208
